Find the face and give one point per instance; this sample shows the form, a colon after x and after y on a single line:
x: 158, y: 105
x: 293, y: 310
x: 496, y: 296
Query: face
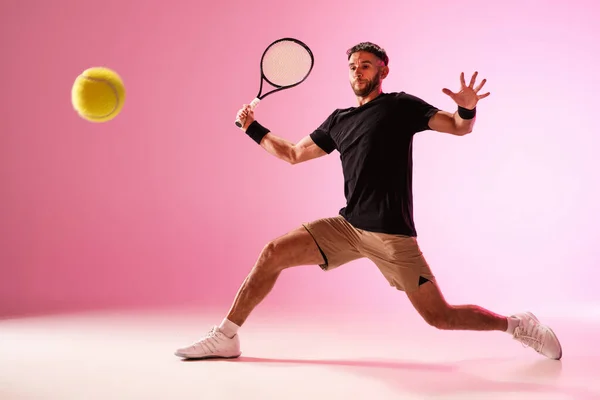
x: 366, y: 72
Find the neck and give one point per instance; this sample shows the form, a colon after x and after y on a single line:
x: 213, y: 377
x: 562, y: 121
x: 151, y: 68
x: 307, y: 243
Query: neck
x: 362, y: 100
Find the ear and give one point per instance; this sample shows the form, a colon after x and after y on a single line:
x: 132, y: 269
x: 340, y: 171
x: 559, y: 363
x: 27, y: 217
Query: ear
x: 385, y: 70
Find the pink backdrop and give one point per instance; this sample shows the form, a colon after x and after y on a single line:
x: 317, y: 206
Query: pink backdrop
x: 170, y: 203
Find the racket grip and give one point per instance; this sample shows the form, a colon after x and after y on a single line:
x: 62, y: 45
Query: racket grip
x: 239, y: 123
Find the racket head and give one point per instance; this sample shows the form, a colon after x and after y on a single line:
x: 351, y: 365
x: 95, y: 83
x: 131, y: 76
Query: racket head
x: 285, y: 63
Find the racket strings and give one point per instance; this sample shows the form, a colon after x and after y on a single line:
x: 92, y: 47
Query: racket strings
x: 286, y: 63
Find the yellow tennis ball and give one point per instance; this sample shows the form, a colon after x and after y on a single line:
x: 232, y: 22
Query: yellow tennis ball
x: 98, y: 94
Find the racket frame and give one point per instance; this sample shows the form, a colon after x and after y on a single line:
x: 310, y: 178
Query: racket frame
x: 277, y: 88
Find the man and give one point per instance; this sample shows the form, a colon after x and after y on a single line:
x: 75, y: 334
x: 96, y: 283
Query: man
x: 374, y: 140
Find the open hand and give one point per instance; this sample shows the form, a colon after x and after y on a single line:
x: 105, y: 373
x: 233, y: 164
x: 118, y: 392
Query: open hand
x: 467, y: 97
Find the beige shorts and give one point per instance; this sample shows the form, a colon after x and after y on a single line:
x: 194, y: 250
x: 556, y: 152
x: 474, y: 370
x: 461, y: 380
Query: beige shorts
x: 398, y: 257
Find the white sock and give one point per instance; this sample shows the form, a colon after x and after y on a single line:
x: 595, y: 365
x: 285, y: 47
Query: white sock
x: 228, y: 328
x: 513, y: 322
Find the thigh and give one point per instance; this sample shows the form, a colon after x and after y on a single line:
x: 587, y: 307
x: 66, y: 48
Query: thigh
x: 337, y: 240
x: 400, y: 260
x: 428, y: 300
x: 294, y: 248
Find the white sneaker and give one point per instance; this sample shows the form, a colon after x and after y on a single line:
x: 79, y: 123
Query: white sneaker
x: 532, y: 333
x: 214, y: 345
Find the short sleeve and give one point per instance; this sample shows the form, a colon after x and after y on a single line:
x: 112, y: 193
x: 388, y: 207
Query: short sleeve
x: 322, y: 135
x: 418, y: 111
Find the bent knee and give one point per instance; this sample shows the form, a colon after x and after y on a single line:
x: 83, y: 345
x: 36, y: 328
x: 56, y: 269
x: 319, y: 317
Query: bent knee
x: 440, y: 319
x: 270, y: 258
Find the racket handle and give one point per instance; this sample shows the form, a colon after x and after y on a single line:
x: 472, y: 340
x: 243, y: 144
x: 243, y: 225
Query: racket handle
x: 253, y: 105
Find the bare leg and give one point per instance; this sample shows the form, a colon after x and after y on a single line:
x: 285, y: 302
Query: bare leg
x: 292, y: 249
x: 431, y: 305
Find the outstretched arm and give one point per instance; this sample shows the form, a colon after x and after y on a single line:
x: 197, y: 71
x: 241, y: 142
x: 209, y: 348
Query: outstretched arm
x: 304, y: 150
x: 445, y: 122
x: 462, y: 121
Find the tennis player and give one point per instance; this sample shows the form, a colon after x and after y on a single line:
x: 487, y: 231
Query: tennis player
x: 374, y: 140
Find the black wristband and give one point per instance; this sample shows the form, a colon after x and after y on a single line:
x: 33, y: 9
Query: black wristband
x: 465, y: 113
x: 256, y: 131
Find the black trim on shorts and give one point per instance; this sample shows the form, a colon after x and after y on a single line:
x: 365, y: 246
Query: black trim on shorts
x: 326, y: 264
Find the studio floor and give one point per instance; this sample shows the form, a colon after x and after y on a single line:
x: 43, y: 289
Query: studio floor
x: 291, y: 355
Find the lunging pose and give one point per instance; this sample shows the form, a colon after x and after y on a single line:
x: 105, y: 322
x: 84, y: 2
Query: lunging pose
x: 374, y: 140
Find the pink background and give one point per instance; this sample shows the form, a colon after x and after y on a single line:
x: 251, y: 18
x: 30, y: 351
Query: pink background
x: 170, y: 204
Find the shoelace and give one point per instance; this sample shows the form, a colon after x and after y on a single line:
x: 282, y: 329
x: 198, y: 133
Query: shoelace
x: 530, y: 336
x: 209, y: 342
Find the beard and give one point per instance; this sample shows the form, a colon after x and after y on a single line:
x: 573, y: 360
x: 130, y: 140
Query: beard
x: 368, y: 88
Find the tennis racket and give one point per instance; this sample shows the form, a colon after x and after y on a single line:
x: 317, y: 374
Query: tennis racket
x: 284, y: 64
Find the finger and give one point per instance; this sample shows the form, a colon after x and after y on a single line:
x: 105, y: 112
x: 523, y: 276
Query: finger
x: 449, y: 92
x: 473, y: 78
x: 462, y: 79
x: 478, y: 88
x: 483, y: 96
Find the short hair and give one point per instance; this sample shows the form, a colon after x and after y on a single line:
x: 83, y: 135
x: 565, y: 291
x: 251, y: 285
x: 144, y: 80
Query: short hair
x: 370, y: 48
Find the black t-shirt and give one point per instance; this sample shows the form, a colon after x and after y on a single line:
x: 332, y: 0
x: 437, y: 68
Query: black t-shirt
x: 375, y: 146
